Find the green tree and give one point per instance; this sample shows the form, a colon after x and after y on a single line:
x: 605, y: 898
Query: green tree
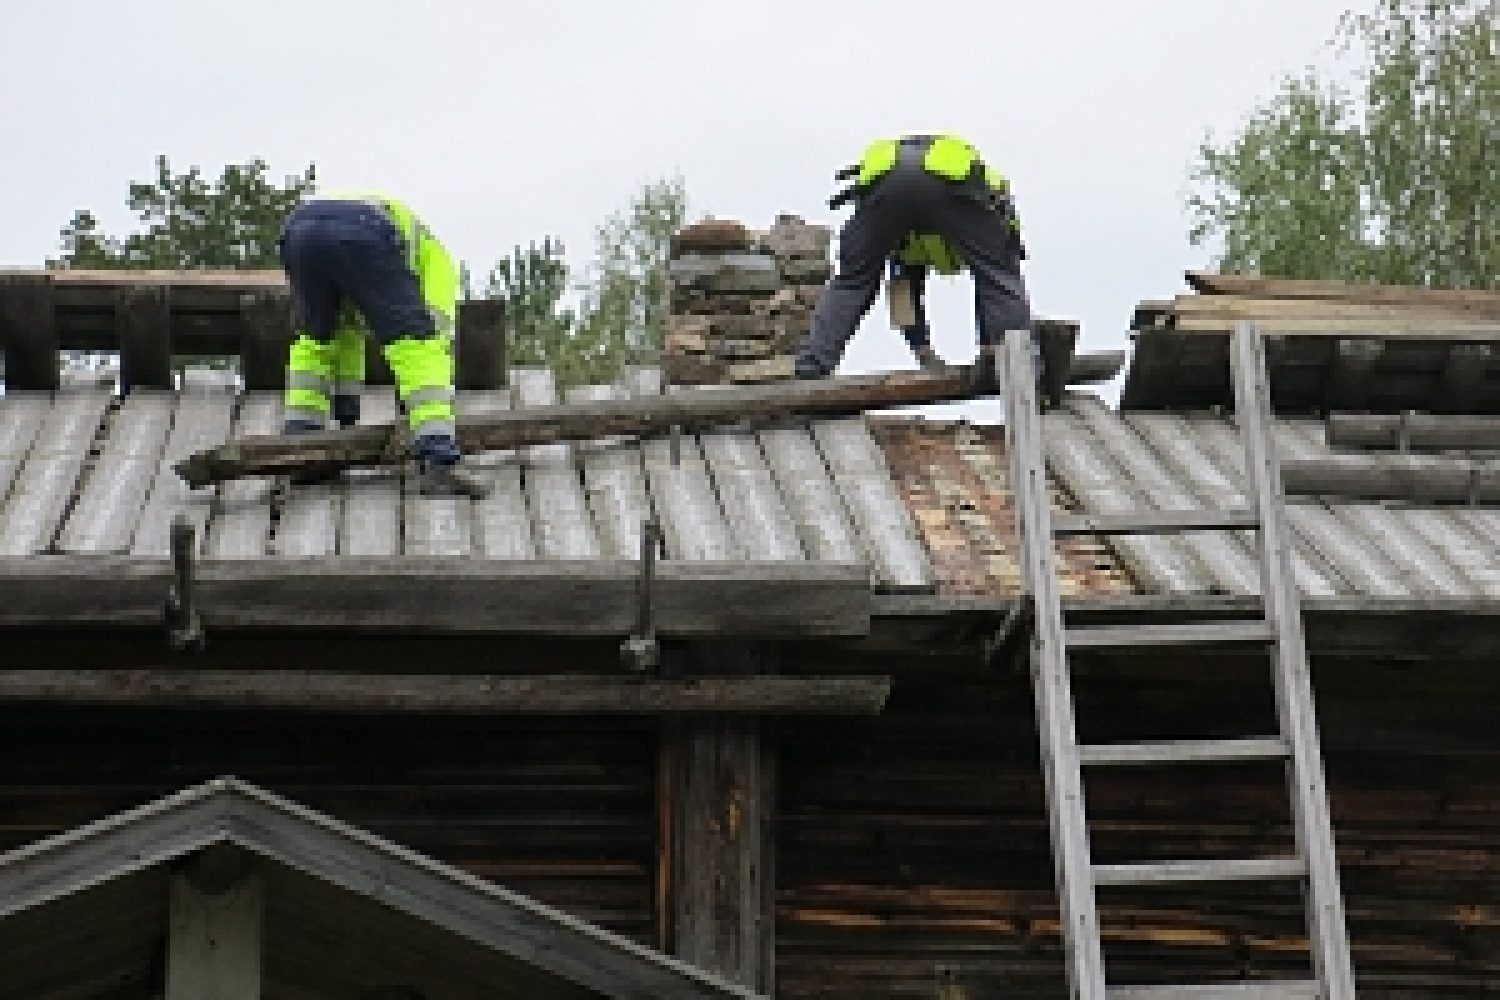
x: 622, y: 313
x: 189, y: 221
x: 626, y: 296
x: 1392, y: 180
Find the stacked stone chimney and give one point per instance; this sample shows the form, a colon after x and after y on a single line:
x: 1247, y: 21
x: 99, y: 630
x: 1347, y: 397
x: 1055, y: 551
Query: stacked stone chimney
x: 742, y: 301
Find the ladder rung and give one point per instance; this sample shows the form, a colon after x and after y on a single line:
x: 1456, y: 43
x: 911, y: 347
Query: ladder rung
x: 1300, y: 989
x: 1228, y: 630
x: 1161, y: 872
x: 1185, y: 751
x: 1152, y: 522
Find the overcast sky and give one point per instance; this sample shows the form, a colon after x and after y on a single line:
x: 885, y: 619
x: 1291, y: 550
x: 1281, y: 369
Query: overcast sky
x: 502, y: 122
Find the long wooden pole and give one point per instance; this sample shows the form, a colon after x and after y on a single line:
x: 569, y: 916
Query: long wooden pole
x: 1416, y: 478
x: 637, y: 416
x: 1426, y: 431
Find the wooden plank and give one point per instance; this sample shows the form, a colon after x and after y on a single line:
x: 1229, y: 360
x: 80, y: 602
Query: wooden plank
x: 1280, y: 989
x: 143, y: 324
x: 1422, y: 431
x: 502, y: 523
x: 436, y: 525
x: 42, y: 490
x: 681, y: 491
x: 467, y: 694
x: 1184, y: 751
x: 440, y: 595
x: 1052, y: 682
x: 28, y: 329
x: 752, y: 505
x: 1484, y: 331
x: 1296, y: 714
x: 1165, y: 872
x: 114, y: 494
x: 214, y: 949
x: 1292, y: 288
x: 879, y: 513
x: 808, y: 489
x: 1152, y: 637
x: 615, y: 483
x: 1258, y: 309
x: 370, y: 515
x: 202, y: 419
x: 1149, y: 522
x: 545, y: 423
x: 22, y: 413
x: 560, y: 518
x: 722, y: 775
x: 1417, y: 478
x: 242, y: 529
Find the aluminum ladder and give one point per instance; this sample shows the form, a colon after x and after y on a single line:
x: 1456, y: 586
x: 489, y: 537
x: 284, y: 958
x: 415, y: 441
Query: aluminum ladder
x: 1313, y: 864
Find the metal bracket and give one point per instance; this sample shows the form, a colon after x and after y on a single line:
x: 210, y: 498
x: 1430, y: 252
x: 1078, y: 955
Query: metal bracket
x: 641, y: 652
x: 184, y: 627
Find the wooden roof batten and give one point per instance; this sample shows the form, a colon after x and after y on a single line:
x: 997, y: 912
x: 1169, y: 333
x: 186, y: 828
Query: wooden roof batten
x: 573, y: 957
x: 1332, y: 346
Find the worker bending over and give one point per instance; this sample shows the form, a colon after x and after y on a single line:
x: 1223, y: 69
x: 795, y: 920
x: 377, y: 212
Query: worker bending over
x: 363, y: 264
x: 923, y: 203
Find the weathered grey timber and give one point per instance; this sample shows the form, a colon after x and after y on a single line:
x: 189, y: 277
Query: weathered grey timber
x: 40, y: 494
x: 879, y: 514
x: 202, y: 419
x: 639, y: 415
x: 1417, y: 478
x: 680, y: 486
x: 502, y: 525
x: 614, y: 482
x: 214, y: 940
x: 748, y: 495
x: 243, y: 528
x: 468, y: 694
x: 21, y: 415
x: 371, y: 512
x: 568, y: 958
x: 559, y: 512
x: 808, y: 488
x: 1423, y: 431
x: 440, y: 595
x: 105, y: 516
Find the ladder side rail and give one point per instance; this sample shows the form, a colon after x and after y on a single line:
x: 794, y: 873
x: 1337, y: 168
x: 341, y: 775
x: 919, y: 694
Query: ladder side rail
x: 1293, y: 682
x: 1049, y: 665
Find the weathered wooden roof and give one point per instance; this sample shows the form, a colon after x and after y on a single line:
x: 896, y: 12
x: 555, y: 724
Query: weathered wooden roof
x: 85, y: 474
x: 89, y: 907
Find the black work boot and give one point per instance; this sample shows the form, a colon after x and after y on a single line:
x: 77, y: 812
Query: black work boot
x: 443, y: 473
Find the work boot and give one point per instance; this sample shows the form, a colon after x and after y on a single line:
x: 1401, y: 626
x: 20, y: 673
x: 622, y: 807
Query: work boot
x: 443, y: 473
x: 928, y: 359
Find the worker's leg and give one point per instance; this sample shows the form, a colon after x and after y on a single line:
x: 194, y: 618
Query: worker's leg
x: 348, y: 364
x: 305, y: 253
x: 986, y: 238
x: 865, y: 243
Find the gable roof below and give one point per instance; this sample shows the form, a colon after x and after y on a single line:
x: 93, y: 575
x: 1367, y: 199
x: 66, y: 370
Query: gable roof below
x: 344, y: 912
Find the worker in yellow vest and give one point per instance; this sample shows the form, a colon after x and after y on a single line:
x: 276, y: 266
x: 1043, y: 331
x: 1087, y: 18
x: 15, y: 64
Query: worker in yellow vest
x: 923, y: 203
x: 364, y: 264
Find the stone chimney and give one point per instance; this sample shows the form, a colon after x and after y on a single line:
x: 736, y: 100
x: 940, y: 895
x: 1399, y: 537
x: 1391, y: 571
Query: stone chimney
x: 742, y: 301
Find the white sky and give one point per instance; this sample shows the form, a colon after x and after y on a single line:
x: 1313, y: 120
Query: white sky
x: 502, y: 122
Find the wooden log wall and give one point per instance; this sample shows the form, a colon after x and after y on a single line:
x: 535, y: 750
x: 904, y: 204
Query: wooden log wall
x: 150, y: 316
x: 913, y: 852
x: 910, y: 854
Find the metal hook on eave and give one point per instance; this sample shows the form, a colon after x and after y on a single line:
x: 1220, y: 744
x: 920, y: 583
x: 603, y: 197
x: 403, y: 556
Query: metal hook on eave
x: 641, y: 652
x: 184, y: 627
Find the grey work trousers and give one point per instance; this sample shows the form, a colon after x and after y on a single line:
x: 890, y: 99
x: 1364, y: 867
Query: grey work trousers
x: 911, y: 199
